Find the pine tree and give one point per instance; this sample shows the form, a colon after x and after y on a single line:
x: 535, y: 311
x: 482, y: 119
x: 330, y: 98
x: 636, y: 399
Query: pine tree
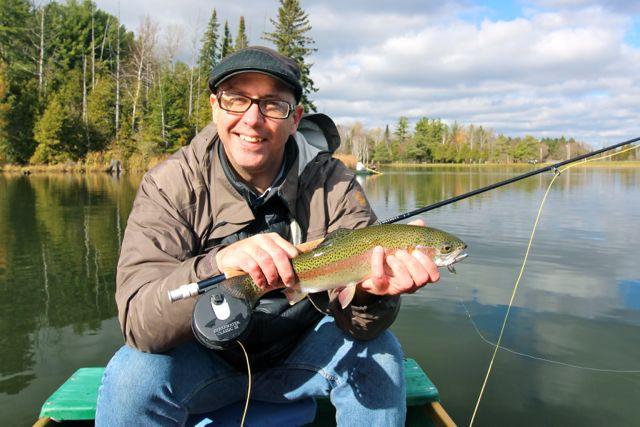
x: 4, y: 112
x: 381, y: 153
x: 402, y: 129
x: 49, y: 133
x: 241, y: 39
x: 59, y: 131
x: 227, y: 41
x: 209, y: 53
x: 16, y: 21
x: 167, y: 126
x: 289, y: 37
x: 100, y: 106
x: 19, y: 99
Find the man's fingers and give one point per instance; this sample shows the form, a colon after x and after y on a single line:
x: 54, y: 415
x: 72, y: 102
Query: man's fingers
x: 377, y: 264
x: 419, y: 222
x: 428, y: 264
x: 418, y: 273
x: 265, y: 257
x: 246, y: 263
x: 265, y: 260
x: 401, y: 280
x: 285, y: 245
x: 411, y: 272
x: 280, y: 259
x: 377, y: 282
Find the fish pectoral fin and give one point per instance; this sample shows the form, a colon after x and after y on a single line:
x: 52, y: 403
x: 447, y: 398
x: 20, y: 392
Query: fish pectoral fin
x: 294, y: 296
x: 346, y: 295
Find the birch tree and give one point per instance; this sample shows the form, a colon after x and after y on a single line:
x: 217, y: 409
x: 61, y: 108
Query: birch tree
x: 193, y: 72
x: 117, y: 106
x: 359, y: 142
x: 141, y: 60
x: 41, y: 52
x: 93, y: 48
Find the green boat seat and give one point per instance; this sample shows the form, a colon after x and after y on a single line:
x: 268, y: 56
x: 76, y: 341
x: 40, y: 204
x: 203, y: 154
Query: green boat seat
x: 76, y: 400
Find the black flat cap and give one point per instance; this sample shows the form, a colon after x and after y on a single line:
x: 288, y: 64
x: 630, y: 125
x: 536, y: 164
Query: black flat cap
x: 258, y: 59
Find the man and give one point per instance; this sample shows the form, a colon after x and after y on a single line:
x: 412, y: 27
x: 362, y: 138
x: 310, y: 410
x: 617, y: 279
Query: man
x: 255, y: 181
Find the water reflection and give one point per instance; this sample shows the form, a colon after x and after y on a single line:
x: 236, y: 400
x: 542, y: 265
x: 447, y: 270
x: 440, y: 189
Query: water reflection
x: 629, y: 291
x: 578, y: 303
x: 57, y: 259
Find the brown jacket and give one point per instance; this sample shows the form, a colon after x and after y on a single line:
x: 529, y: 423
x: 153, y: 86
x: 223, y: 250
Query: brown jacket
x: 186, y: 204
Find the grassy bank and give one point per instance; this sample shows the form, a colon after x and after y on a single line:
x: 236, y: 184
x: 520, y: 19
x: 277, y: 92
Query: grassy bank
x: 140, y: 164
x: 98, y: 163
x: 597, y: 163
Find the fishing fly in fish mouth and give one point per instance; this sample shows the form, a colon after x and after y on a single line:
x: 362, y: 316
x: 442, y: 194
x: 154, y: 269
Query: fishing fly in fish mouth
x: 343, y: 260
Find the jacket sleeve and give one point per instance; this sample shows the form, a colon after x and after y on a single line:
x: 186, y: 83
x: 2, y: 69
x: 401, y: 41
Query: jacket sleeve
x: 157, y: 255
x: 368, y: 315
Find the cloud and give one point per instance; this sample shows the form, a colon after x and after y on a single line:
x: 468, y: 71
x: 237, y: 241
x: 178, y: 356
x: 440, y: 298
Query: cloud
x: 556, y: 67
x: 547, y: 74
x: 618, y: 6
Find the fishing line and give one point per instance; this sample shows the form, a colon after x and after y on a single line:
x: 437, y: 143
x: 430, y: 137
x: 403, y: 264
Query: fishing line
x: 557, y: 173
x: 197, y: 288
x: 246, y: 403
x: 542, y: 359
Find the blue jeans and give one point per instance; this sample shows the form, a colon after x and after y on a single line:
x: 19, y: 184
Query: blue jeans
x: 364, y: 380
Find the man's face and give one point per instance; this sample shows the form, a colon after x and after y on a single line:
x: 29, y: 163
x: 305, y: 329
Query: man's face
x: 254, y: 143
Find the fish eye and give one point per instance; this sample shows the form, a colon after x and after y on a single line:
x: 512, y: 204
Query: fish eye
x: 446, y: 248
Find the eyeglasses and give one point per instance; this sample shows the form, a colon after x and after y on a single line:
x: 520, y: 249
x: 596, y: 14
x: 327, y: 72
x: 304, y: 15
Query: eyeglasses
x: 272, y: 108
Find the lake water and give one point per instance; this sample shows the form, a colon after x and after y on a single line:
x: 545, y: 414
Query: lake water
x: 571, y: 349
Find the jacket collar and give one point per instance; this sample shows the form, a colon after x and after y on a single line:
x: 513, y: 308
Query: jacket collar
x: 229, y: 207
x: 288, y: 189
x: 317, y: 136
x: 230, y: 210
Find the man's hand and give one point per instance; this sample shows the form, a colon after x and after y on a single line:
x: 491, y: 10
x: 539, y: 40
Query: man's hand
x: 265, y: 257
x: 405, y: 273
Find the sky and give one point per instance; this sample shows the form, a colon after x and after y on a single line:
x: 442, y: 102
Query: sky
x: 541, y: 67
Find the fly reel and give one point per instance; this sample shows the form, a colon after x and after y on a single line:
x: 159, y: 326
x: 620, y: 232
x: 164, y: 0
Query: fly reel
x: 219, y: 319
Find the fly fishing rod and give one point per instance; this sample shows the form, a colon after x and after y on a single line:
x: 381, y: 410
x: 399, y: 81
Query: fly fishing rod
x: 193, y: 289
x: 220, y: 318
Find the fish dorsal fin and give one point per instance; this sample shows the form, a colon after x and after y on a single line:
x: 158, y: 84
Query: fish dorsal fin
x: 328, y: 240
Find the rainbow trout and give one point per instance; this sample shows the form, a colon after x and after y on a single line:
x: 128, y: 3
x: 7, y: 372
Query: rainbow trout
x: 343, y: 260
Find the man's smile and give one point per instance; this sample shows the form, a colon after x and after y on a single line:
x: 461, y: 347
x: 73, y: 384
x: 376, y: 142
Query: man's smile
x: 248, y: 138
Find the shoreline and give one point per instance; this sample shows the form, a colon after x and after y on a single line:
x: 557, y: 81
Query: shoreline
x: 595, y: 163
x: 85, y: 169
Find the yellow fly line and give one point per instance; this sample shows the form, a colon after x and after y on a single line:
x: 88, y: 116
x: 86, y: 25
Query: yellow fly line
x: 524, y: 263
x: 246, y: 403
